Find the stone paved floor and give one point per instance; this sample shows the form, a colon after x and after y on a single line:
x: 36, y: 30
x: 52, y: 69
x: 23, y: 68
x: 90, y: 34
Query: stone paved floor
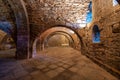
x: 53, y: 64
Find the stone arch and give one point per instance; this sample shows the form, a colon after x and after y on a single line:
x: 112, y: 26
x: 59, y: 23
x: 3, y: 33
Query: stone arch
x: 68, y: 36
x: 49, y: 38
x: 68, y: 27
x: 22, y: 24
x: 71, y: 28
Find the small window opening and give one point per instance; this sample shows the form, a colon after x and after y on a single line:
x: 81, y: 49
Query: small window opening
x: 115, y: 2
x: 96, y: 34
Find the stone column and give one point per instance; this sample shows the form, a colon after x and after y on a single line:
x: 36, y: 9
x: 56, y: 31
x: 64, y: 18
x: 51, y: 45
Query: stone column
x: 22, y: 24
x: 22, y: 44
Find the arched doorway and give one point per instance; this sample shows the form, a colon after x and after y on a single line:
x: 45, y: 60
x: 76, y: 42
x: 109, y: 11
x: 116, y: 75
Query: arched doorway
x: 22, y: 27
x: 7, y: 46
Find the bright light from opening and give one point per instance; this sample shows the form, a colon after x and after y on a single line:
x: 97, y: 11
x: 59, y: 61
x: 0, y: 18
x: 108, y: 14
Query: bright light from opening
x: 81, y: 24
x: 70, y: 31
x: 79, y: 21
x: 115, y: 2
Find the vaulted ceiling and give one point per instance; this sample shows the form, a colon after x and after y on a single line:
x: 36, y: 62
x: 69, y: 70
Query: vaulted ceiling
x: 58, y: 10
x: 44, y: 14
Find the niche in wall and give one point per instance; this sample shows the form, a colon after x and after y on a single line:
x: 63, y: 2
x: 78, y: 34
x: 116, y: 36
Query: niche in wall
x: 96, y: 34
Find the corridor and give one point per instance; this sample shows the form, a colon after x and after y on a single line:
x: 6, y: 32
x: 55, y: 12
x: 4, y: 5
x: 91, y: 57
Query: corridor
x: 59, y: 39
x: 55, y: 63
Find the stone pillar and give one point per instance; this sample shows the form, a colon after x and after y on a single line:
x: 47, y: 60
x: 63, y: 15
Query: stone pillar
x: 23, y: 33
x: 34, y: 52
x: 22, y: 24
x: 22, y: 47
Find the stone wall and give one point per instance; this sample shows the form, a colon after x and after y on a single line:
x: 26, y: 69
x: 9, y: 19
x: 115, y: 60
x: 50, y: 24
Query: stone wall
x: 5, y: 11
x: 7, y: 14
x: 101, y: 8
x: 107, y: 52
x: 58, y: 40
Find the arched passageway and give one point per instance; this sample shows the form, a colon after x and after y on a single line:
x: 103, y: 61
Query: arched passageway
x: 7, y: 41
x: 62, y: 33
x: 14, y: 21
x: 7, y: 46
x: 50, y: 23
x: 62, y: 38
